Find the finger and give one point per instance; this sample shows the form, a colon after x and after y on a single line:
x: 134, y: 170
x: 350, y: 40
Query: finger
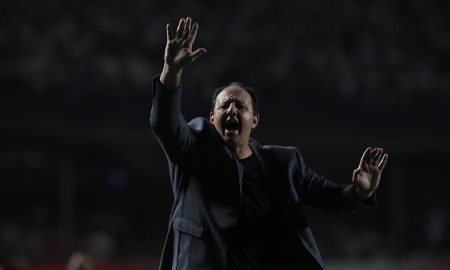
x: 192, y: 34
x: 378, y: 156
x: 169, y: 32
x: 189, y: 24
x: 197, y: 53
x: 373, y: 153
x: 185, y: 28
x: 364, y: 157
x: 373, y: 156
x: 180, y: 28
x: 383, y: 162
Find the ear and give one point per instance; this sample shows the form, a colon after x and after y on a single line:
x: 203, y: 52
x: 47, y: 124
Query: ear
x: 255, y: 120
x: 211, y: 117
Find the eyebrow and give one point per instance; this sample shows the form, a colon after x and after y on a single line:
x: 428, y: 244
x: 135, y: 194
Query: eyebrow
x: 233, y: 99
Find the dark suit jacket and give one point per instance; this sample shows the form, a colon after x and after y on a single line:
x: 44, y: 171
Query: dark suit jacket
x: 206, y: 181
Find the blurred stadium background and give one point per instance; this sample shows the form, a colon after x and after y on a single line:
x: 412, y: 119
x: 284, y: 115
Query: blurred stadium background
x: 81, y: 171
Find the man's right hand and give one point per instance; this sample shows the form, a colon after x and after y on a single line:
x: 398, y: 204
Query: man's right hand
x: 179, y: 52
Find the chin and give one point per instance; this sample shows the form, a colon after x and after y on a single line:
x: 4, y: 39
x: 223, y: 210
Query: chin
x: 230, y: 140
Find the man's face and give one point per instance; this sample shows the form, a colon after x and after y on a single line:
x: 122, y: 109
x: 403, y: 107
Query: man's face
x: 233, y: 116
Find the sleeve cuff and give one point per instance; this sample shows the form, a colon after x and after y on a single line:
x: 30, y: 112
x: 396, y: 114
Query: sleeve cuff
x: 369, y: 202
x: 158, y: 87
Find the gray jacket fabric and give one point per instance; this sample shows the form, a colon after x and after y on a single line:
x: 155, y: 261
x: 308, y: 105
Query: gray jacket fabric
x: 206, y: 180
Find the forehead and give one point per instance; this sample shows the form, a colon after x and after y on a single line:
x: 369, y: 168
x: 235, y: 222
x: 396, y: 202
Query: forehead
x: 234, y: 92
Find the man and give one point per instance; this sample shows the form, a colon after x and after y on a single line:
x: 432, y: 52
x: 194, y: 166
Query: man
x: 237, y: 203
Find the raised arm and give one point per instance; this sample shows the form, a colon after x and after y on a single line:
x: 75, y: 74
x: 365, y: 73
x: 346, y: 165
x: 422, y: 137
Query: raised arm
x: 319, y: 191
x: 166, y: 119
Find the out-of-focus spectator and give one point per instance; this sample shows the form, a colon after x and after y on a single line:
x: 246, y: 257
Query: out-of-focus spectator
x: 80, y: 261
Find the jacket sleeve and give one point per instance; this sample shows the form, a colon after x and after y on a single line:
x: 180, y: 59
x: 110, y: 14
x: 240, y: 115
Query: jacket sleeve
x: 317, y: 190
x: 168, y: 124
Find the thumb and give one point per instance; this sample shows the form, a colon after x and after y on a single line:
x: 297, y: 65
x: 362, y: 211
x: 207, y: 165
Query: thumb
x: 197, y: 53
x: 355, y: 174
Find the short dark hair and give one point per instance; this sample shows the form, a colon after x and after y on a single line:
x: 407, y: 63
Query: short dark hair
x: 249, y: 90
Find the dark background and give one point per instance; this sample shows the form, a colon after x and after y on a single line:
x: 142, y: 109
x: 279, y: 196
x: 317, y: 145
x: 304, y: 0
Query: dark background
x: 81, y: 170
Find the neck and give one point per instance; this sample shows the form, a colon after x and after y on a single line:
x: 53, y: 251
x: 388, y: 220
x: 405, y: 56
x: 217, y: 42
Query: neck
x: 241, y: 152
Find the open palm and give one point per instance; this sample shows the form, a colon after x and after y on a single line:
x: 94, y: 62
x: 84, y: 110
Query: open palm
x: 366, y: 177
x: 178, y: 51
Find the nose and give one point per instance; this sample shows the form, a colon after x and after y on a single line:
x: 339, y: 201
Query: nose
x: 232, y: 110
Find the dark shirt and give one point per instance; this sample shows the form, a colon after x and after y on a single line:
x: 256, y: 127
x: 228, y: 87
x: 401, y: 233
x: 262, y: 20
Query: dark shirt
x: 259, y: 227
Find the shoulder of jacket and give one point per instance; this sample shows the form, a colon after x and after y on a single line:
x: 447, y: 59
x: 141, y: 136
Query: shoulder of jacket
x: 200, y: 124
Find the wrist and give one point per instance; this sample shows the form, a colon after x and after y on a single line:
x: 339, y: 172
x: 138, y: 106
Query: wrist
x: 172, y: 69
x: 170, y: 77
x: 363, y: 195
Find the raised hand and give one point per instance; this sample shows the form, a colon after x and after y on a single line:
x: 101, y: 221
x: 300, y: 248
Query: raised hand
x: 179, y: 52
x: 368, y: 174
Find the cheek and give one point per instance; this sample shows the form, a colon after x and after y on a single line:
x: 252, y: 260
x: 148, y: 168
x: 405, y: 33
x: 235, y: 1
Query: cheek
x: 214, y: 117
x: 248, y: 121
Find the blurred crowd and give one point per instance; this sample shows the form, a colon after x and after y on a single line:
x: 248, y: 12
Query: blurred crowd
x: 386, y: 53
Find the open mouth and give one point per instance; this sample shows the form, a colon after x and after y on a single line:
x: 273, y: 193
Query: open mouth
x: 231, y: 124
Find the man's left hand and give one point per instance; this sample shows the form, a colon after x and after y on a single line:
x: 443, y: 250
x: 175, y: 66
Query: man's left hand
x: 368, y: 174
